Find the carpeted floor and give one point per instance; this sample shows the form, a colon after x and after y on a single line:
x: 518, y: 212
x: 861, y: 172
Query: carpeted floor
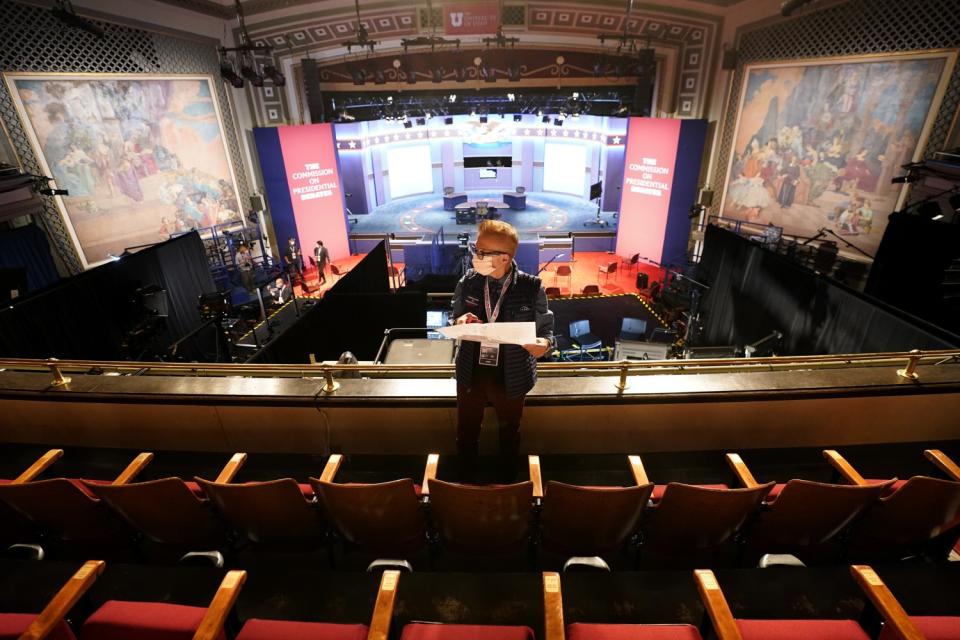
x: 545, y: 212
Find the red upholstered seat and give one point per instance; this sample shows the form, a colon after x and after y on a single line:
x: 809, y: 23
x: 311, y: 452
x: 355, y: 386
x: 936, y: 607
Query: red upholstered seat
x: 632, y: 632
x: 801, y: 630
x: 893, y: 488
x: 14, y: 624
x: 119, y: 620
x: 660, y: 488
x: 932, y: 628
x: 255, y: 629
x: 417, y: 631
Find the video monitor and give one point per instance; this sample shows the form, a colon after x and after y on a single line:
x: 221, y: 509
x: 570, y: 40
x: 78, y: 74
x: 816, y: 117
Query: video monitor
x: 488, y: 174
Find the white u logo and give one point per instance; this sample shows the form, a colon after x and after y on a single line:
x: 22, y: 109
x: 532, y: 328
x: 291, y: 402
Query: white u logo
x: 456, y: 19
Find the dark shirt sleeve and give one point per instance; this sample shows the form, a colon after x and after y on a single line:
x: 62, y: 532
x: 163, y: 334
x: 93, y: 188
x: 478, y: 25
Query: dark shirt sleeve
x: 544, y: 316
x: 458, y: 307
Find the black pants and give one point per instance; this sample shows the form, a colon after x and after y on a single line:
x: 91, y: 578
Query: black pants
x: 487, y: 388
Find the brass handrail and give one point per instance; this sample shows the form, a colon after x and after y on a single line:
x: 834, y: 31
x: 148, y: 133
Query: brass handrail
x: 622, y: 368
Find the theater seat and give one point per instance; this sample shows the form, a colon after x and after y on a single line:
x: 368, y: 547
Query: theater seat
x: 287, y: 630
x: 12, y: 625
x: 120, y: 620
x: 658, y: 490
x: 420, y: 631
x: 932, y: 628
x: 579, y: 631
x: 801, y: 630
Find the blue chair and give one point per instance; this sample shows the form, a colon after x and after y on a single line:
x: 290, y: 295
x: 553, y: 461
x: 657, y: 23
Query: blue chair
x: 581, y: 338
x: 633, y: 329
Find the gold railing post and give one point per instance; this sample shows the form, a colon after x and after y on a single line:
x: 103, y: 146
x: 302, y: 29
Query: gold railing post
x: 330, y: 385
x: 622, y: 384
x: 59, y: 380
x: 910, y: 373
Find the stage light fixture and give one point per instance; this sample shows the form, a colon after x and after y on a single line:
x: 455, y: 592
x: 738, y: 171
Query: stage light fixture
x: 546, y: 119
x: 378, y: 77
x: 597, y: 70
x: 249, y: 71
x: 483, y: 119
x: 407, y: 124
x: 274, y: 75
x: 511, y: 97
x: 452, y: 98
x: 421, y: 122
x: 517, y: 117
x: 411, y: 77
x: 448, y: 120
x: 228, y: 73
x: 436, y: 75
x: 359, y: 76
x: 930, y: 210
x: 461, y: 74
x: 557, y: 122
x: 513, y: 73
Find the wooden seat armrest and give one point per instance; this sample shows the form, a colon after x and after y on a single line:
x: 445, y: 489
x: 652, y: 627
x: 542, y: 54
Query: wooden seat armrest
x: 40, y: 465
x: 429, y: 473
x: 844, y: 468
x: 383, y: 608
x: 888, y: 606
x: 535, y: 476
x: 331, y: 468
x: 134, y: 468
x: 639, y: 473
x: 944, y: 463
x: 716, y: 605
x: 231, y: 469
x: 66, y: 597
x: 741, y: 471
x: 211, y: 626
x: 552, y: 606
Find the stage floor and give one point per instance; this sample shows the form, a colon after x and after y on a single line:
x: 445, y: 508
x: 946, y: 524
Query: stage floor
x: 545, y: 212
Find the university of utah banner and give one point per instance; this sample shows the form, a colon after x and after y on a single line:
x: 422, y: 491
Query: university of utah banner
x: 660, y: 175
x: 302, y: 180
x: 470, y: 18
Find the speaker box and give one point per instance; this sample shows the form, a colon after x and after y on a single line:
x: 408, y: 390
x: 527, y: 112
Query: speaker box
x: 729, y: 60
x: 706, y: 197
x: 311, y: 85
x: 257, y: 203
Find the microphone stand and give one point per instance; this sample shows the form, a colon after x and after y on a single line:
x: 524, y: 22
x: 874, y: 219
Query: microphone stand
x: 559, y: 255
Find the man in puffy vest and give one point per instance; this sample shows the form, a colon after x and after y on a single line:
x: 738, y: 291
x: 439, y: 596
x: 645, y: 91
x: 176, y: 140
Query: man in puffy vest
x: 495, y: 290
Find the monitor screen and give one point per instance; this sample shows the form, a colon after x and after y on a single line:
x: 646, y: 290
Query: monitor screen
x: 488, y: 173
x: 437, y: 319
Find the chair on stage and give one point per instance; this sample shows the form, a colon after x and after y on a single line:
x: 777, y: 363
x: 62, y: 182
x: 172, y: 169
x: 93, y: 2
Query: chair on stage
x: 564, y: 271
x: 338, y: 271
x: 553, y: 292
x: 583, y: 340
x: 633, y: 329
x: 607, y: 269
x: 632, y: 263
x: 590, y: 290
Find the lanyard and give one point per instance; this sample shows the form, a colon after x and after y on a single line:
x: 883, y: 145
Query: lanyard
x: 493, y: 313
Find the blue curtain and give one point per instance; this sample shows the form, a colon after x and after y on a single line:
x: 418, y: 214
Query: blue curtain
x: 27, y: 248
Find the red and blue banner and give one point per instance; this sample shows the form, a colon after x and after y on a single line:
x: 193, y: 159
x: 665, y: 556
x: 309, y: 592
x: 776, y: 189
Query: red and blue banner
x: 661, y: 171
x: 302, y: 180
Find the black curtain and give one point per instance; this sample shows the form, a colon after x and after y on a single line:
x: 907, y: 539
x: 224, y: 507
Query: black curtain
x: 605, y: 314
x: 87, y: 316
x: 755, y: 291
x: 27, y: 248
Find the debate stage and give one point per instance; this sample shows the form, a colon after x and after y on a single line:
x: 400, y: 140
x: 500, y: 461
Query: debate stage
x: 424, y: 214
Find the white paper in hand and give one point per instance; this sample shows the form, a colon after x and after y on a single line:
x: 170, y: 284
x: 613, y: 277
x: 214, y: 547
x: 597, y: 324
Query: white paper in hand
x: 497, y: 332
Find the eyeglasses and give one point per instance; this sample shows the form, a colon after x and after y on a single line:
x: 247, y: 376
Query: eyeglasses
x: 483, y: 254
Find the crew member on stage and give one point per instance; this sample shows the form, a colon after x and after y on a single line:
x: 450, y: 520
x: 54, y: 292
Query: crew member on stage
x: 322, y: 257
x: 495, y: 290
x: 245, y: 266
x: 294, y: 261
x: 280, y: 292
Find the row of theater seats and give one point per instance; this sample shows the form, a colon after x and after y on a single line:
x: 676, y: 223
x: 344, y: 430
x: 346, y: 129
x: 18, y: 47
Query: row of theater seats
x: 671, y: 525
x: 118, y: 619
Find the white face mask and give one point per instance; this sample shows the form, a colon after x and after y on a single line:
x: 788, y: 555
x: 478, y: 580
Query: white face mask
x: 483, y: 266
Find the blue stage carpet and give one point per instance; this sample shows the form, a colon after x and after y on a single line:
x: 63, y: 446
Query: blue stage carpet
x: 545, y: 212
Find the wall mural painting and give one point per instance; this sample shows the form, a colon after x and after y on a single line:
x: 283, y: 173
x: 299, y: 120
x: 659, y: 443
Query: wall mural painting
x: 143, y: 157
x: 816, y: 143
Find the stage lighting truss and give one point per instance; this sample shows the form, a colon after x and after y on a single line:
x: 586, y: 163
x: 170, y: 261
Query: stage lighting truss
x: 244, y: 58
x: 429, y: 41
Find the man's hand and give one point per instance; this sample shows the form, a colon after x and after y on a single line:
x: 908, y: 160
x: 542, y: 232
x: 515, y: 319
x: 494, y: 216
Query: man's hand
x: 538, y: 348
x: 467, y: 318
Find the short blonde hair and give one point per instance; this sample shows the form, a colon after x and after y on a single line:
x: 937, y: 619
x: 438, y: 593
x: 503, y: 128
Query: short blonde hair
x: 500, y: 228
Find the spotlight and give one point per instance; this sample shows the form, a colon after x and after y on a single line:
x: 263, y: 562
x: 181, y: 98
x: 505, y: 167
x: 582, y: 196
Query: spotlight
x: 546, y: 119
x: 378, y: 77
x: 448, y: 120
x: 488, y: 74
x: 597, y: 70
x: 407, y: 124
x: 483, y: 119
x: 511, y: 97
x: 421, y: 122
x: 249, y: 71
x: 461, y: 74
x: 436, y: 75
x: 517, y: 117
x: 274, y: 75
x: 228, y: 73
x: 557, y: 122
x: 411, y: 77
x: 359, y: 76
x: 452, y: 98
x: 513, y: 73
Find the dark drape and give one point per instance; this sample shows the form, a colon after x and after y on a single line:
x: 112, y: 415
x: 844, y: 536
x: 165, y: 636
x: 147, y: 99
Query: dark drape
x: 27, y: 248
x: 352, y: 316
x: 605, y: 314
x: 755, y: 291
x: 86, y: 316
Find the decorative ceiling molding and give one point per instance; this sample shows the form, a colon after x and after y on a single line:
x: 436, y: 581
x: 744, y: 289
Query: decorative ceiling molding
x: 206, y: 7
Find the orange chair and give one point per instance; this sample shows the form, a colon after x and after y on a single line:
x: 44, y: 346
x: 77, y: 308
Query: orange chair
x: 564, y: 271
x: 607, y: 269
x: 553, y: 292
x: 590, y: 289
